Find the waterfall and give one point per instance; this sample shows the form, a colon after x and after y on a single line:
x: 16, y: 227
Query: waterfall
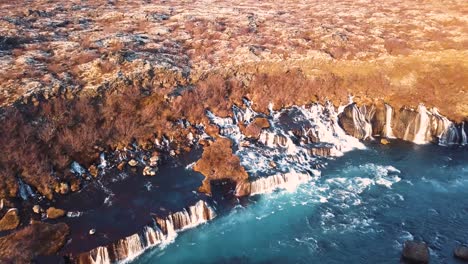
x: 288, y: 181
x: 421, y: 127
x: 449, y: 136
x: 25, y: 191
x: 464, y: 140
x: 77, y: 169
x: 163, y: 231
x: 99, y: 255
x: 291, y: 146
x: 274, y: 140
x: 388, y: 132
x: 360, y: 121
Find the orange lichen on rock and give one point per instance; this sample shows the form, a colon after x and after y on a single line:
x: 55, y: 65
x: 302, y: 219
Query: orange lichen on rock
x: 219, y: 163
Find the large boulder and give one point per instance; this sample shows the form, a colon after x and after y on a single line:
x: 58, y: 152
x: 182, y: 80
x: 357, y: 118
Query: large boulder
x: 10, y: 220
x: 53, y: 213
x: 255, y: 127
x: 415, y: 252
x: 461, y: 252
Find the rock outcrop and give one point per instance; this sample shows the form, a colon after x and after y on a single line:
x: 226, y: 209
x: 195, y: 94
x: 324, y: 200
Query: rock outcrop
x: 54, y: 213
x: 34, y: 240
x: 10, y: 220
x: 255, y: 127
x: 219, y: 163
x: 415, y: 252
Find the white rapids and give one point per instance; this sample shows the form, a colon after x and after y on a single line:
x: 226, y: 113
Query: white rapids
x: 289, y: 152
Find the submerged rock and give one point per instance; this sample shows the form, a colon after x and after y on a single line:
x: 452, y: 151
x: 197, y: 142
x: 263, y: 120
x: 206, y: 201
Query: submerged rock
x: 415, y: 252
x: 461, y: 252
x: 54, y: 213
x: 10, y: 220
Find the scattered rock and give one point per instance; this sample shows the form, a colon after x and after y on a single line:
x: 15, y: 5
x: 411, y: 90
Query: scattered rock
x: 133, y: 163
x: 10, y: 220
x: 415, y: 252
x: 121, y: 166
x: 62, y: 188
x: 272, y: 164
x: 154, y: 159
x: 384, y: 141
x: 93, y: 170
x: 148, y: 171
x: 54, y: 213
x: 36, y: 209
x: 75, y: 186
x: 461, y: 252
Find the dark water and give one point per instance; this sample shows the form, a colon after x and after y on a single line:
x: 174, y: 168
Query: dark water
x: 360, y: 210
x: 121, y: 203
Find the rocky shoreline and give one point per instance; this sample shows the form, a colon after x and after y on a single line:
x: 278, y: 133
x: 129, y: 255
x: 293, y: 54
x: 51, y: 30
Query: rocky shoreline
x: 303, y: 135
x: 94, y: 93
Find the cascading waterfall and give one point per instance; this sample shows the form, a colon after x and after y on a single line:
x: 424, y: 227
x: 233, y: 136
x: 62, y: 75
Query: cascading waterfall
x: 283, y: 155
x: 388, y: 132
x: 464, y: 140
x: 421, y: 126
x: 288, y: 181
x: 160, y: 233
x: 360, y: 120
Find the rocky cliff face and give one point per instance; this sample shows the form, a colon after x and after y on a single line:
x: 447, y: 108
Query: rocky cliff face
x: 419, y: 125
